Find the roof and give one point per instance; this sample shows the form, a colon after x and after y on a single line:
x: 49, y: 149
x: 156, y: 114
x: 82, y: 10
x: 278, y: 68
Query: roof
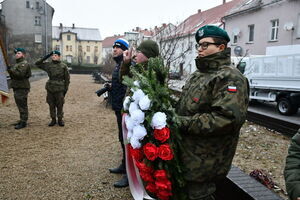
x: 210, y: 16
x: 85, y: 34
x: 109, y: 41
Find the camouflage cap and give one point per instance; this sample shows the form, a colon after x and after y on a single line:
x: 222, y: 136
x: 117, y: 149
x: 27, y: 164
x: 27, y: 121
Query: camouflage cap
x: 19, y: 50
x: 211, y: 31
x: 149, y: 48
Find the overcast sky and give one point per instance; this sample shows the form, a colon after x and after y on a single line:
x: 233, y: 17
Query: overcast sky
x: 117, y: 16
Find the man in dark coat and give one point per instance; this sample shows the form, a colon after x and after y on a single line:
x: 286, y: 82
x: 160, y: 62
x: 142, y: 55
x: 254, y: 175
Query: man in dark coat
x: 118, y: 90
x: 19, y: 75
x: 57, y: 85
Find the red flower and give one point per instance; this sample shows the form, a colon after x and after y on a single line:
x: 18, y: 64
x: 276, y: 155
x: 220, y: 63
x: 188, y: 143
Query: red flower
x: 162, y: 134
x: 163, y: 185
x: 164, y: 195
x: 144, y: 168
x: 151, y: 187
x: 160, y: 174
x: 165, y: 152
x: 147, y: 177
x: 150, y: 151
x: 137, y: 154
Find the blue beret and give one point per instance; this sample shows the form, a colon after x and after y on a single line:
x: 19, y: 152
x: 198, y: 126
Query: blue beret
x: 211, y: 31
x: 19, y: 49
x: 121, y: 43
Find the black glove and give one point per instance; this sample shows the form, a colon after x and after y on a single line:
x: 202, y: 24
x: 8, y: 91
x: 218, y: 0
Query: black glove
x: 101, y: 91
x: 48, y: 56
x: 65, y: 92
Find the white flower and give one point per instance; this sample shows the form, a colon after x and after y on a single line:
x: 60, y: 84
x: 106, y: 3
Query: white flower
x: 139, y: 132
x: 132, y: 107
x: 145, y: 103
x: 137, y: 116
x: 136, y: 83
x: 135, y: 143
x: 129, y: 135
x: 159, y: 120
x: 126, y: 103
x: 137, y: 95
x: 129, y: 123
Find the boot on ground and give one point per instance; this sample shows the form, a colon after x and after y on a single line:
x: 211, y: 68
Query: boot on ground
x: 118, y: 170
x: 52, y: 123
x: 21, y: 125
x: 61, y: 122
x: 123, y: 182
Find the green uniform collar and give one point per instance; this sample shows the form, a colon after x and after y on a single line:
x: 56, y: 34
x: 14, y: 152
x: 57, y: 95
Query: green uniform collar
x: 56, y: 61
x: 213, y: 61
x: 20, y: 60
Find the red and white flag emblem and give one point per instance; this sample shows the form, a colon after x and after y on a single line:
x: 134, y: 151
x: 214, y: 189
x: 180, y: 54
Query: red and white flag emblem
x: 231, y: 89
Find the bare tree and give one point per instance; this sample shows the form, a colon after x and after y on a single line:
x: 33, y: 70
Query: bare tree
x: 108, y: 64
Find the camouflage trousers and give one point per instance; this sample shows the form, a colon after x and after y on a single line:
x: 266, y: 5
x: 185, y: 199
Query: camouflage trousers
x: 21, y: 96
x: 56, y: 102
x: 200, y: 191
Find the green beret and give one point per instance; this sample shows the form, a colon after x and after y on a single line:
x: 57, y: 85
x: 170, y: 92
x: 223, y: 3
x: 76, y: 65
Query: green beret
x: 149, y: 48
x: 211, y: 31
x: 56, y: 52
x: 19, y: 49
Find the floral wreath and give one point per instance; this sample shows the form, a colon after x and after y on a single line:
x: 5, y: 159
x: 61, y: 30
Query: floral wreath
x: 153, y: 138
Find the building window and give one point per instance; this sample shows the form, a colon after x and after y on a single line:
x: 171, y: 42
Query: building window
x: 235, y: 39
x: 37, y: 5
x: 69, y: 37
x: 88, y: 48
x: 88, y: 59
x: 251, y: 33
x: 70, y: 47
x: 27, y: 4
x: 79, y: 48
x: 37, y: 20
x: 96, y: 49
x: 274, y: 29
x: 57, y: 47
x: 38, y: 38
x: 67, y: 48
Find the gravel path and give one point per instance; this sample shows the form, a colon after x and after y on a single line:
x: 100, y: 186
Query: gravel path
x: 71, y: 162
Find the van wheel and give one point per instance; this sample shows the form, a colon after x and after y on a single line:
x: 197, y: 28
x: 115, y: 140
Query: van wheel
x: 285, y: 107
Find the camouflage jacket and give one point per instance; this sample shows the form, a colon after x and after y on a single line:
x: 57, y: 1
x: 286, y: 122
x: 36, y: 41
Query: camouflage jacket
x: 212, y: 109
x: 59, y: 77
x: 292, y: 168
x: 20, y: 74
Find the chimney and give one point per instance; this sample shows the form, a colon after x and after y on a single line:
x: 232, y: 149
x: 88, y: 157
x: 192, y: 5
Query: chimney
x: 199, y: 10
x: 73, y: 26
x: 60, y: 26
x: 224, y: 1
x: 137, y: 29
x: 164, y: 25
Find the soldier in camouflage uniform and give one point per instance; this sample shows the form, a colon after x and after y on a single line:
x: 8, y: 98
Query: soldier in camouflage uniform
x: 292, y: 168
x: 57, y: 85
x: 19, y: 75
x: 212, y: 109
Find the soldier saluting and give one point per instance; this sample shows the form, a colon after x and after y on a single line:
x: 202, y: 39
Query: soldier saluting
x: 57, y: 85
x: 19, y: 75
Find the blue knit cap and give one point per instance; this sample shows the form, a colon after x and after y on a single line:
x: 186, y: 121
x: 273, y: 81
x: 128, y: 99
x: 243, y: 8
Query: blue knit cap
x: 121, y: 43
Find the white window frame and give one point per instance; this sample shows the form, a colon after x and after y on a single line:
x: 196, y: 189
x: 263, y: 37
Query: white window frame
x: 298, y: 26
x: 38, y: 38
x: 274, y: 29
x: 37, y: 20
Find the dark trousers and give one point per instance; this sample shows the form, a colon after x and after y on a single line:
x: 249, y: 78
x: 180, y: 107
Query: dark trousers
x: 56, y: 102
x: 119, y: 121
x: 21, y: 96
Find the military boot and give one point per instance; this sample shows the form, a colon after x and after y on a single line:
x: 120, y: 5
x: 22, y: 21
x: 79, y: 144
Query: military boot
x: 119, y: 170
x: 122, y: 183
x: 61, y: 122
x: 21, y: 125
x: 53, y: 122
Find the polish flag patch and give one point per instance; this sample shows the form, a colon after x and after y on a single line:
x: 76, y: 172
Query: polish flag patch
x: 195, y: 99
x: 232, y: 89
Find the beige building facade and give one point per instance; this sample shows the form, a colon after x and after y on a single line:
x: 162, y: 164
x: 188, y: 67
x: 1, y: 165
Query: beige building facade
x: 78, y: 45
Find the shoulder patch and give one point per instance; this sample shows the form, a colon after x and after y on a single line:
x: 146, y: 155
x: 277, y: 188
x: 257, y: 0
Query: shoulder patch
x: 232, y: 89
x: 296, y: 137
